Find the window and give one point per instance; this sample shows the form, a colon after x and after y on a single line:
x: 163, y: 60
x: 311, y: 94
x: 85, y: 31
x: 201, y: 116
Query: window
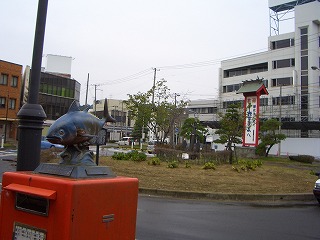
x: 2, y: 102
x: 285, y: 100
x: 304, y: 38
x: 4, y: 79
x: 263, y: 101
x: 14, y: 81
x: 282, y: 81
x: 12, y: 103
x: 282, y: 43
x: 283, y: 63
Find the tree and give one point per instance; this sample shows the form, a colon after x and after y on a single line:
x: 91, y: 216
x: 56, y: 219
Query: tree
x: 269, y: 135
x: 158, y: 116
x: 231, y: 126
x: 192, y: 128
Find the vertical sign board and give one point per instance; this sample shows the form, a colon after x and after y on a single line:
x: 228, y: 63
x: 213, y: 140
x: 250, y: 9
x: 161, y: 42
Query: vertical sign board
x: 251, y: 122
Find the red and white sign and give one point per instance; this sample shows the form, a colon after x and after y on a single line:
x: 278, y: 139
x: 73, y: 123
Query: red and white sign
x: 251, y: 118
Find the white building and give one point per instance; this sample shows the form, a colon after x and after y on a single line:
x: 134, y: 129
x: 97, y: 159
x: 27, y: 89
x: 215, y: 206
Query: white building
x: 293, y: 86
x: 290, y: 69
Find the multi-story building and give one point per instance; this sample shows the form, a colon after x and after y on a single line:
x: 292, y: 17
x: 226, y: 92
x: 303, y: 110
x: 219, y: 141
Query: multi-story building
x: 57, y: 89
x: 10, y: 90
x: 118, y: 110
x: 290, y: 72
x: 290, y: 69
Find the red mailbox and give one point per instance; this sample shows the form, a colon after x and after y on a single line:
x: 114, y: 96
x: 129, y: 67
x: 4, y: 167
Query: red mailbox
x: 39, y: 206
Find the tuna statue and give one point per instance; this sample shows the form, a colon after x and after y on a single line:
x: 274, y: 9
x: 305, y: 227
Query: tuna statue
x: 76, y: 130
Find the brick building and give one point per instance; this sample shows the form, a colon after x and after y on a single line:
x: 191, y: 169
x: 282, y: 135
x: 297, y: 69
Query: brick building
x: 10, y: 91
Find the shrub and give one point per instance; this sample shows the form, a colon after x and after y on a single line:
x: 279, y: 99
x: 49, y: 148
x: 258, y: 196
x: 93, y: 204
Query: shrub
x: 187, y: 164
x: 302, y: 158
x: 120, y: 156
x: 173, y: 164
x: 209, y: 165
x: 133, y: 155
x: 219, y: 157
x: 154, y: 161
x: 245, y: 165
x: 168, y: 154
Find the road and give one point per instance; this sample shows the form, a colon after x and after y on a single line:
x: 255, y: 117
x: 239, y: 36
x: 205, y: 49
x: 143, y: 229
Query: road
x: 172, y: 219
x: 7, y: 161
x: 176, y: 219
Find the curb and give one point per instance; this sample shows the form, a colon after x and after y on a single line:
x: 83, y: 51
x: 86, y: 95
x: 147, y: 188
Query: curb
x: 307, y: 198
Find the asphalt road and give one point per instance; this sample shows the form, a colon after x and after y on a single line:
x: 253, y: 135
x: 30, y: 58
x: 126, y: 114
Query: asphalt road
x: 172, y: 219
x: 7, y: 161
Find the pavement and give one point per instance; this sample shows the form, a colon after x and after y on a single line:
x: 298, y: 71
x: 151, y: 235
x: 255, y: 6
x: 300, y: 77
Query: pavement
x: 8, y: 164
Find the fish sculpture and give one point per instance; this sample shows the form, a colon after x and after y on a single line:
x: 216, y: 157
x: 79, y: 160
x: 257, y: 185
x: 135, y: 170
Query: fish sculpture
x: 76, y: 130
x: 77, y: 127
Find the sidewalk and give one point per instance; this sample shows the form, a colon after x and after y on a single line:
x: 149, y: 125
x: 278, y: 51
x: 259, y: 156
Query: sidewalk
x: 259, y: 199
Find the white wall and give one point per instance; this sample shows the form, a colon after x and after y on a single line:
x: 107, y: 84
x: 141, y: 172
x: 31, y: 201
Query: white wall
x: 298, y: 146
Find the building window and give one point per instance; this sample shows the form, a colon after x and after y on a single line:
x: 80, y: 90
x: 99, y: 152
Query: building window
x: 231, y: 88
x: 228, y: 103
x: 283, y: 63
x: 282, y: 43
x: 263, y: 101
x: 285, y: 100
x: 282, y: 81
x: 12, y: 103
x: 2, y: 102
x: 304, y: 38
x: 4, y: 79
x: 14, y: 81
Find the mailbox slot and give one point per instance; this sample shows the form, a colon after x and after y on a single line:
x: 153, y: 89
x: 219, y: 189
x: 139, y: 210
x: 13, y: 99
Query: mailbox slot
x: 32, y: 199
x: 32, y: 204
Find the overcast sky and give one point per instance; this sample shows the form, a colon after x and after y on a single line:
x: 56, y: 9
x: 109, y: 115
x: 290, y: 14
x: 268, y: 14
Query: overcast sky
x: 118, y: 42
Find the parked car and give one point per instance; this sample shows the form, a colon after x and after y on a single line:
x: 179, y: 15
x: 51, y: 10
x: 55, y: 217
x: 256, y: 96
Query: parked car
x: 46, y: 145
x: 125, y: 141
x: 316, y: 190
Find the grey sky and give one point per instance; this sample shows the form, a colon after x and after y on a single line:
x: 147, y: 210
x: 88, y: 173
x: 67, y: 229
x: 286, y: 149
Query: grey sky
x: 118, y: 38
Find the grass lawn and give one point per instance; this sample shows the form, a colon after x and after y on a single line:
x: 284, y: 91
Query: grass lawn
x: 274, y: 176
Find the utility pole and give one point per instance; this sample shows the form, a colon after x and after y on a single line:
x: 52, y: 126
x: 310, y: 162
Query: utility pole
x: 174, y: 124
x: 154, y: 84
x: 86, y: 103
x: 95, y: 98
x: 280, y: 116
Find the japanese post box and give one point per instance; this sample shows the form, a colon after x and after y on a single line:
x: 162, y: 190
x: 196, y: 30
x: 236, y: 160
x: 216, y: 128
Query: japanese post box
x: 38, y: 206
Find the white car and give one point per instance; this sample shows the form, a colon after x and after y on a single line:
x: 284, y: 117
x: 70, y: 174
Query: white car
x: 125, y: 141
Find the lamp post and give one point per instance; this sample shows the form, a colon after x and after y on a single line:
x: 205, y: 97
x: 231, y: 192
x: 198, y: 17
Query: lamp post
x: 31, y: 115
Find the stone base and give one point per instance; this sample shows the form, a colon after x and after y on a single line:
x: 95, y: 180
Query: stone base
x: 72, y: 171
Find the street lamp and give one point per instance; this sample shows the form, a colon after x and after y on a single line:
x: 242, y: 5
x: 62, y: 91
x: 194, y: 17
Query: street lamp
x: 31, y: 115
x: 315, y: 68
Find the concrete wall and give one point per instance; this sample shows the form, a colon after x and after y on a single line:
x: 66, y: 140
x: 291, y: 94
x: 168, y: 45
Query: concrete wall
x: 298, y: 146
x: 290, y: 146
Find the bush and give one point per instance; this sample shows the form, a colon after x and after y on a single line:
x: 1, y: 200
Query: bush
x: 209, y: 165
x: 168, y: 154
x: 302, y: 158
x: 187, y: 164
x: 120, y: 156
x: 173, y: 164
x: 261, y: 150
x: 133, y: 155
x: 219, y: 157
x: 245, y: 165
x: 154, y: 161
